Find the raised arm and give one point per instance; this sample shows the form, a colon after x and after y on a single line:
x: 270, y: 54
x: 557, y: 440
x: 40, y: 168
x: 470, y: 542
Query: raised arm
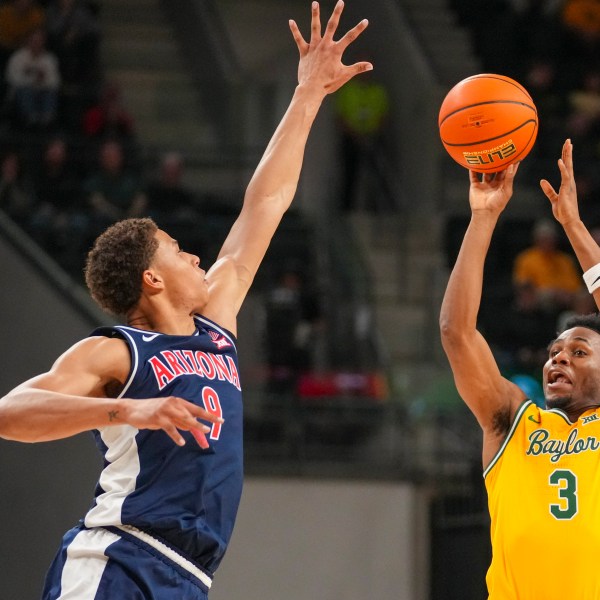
x: 492, y: 398
x: 74, y: 397
x: 566, y: 212
x: 273, y: 185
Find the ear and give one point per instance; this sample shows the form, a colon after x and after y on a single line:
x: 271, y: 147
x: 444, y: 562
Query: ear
x: 152, y: 282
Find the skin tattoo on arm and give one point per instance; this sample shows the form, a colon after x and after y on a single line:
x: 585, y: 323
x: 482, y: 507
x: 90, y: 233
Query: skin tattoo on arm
x: 113, y: 415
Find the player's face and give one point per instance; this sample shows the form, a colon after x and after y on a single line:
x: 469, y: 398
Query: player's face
x: 572, y: 372
x: 184, y: 280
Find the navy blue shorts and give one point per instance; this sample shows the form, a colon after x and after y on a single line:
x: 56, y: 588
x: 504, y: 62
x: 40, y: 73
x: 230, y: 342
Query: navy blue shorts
x: 104, y: 564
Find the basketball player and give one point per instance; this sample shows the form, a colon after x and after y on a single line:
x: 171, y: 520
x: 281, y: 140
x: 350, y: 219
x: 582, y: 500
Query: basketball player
x: 162, y: 394
x: 540, y: 466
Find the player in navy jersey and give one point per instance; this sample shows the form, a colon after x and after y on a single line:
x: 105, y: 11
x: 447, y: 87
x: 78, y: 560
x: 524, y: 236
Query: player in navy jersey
x: 162, y: 393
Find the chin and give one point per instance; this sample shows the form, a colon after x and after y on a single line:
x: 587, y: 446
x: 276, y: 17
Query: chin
x: 558, y: 402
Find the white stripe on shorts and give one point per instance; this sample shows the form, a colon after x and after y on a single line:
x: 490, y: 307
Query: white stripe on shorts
x: 85, y: 564
x: 183, y: 562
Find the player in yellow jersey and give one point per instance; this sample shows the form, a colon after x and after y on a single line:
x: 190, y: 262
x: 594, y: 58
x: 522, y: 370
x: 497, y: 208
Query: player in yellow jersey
x: 541, y: 467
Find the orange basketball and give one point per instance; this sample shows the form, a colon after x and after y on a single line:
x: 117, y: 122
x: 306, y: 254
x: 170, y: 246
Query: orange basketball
x: 487, y: 122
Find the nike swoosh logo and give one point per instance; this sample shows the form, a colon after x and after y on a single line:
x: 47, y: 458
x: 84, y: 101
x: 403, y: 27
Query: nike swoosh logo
x: 593, y: 282
x: 532, y: 419
x: 149, y: 338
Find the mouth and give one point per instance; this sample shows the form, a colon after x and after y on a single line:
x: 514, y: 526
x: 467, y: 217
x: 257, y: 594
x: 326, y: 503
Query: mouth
x: 558, y: 381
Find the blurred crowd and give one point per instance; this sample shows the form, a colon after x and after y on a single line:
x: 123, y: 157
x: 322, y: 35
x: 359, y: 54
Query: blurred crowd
x: 70, y: 161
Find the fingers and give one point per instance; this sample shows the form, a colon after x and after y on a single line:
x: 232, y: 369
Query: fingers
x: 315, y: 25
x: 474, y: 176
x: 510, y: 172
x: 202, y: 413
x: 199, y: 434
x: 351, y: 35
x: 174, y: 434
x: 334, y: 20
x: 562, y: 167
x: 200, y: 438
x: 349, y: 72
x: 355, y: 69
x: 298, y: 38
x: 183, y: 416
x: 567, y: 154
x: 548, y: 190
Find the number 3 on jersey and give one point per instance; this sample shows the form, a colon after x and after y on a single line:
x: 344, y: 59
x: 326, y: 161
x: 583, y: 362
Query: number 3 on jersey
x: 566, y: 482
x: 212, y: 404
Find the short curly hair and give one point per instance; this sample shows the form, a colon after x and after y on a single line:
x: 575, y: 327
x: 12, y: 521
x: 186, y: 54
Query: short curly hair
x: 591, y: 321
x: 116, y: 262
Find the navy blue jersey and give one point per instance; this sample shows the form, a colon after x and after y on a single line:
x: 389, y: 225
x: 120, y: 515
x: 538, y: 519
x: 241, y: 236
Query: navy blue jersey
x: 185, y: 496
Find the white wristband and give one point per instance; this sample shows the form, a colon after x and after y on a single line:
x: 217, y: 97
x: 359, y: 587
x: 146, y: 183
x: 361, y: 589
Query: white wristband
x: 592, y: 278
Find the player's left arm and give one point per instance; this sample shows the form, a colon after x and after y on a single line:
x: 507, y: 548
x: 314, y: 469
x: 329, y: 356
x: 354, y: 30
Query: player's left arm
x: 273, y: 185
x: 566, y: 211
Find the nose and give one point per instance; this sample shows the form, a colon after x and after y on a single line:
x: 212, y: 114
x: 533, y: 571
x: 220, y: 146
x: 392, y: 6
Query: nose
x: 561, y: 357
x: 195, y: 260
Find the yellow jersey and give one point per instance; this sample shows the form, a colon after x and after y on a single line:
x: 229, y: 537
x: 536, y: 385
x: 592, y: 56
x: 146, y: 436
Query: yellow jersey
x: 543, y: 490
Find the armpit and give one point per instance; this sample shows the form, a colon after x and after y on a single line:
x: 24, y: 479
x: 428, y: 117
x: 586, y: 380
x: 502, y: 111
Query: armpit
x: 501, y: 422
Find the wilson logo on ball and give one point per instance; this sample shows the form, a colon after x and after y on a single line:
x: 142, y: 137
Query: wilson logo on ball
x: 487, y: 122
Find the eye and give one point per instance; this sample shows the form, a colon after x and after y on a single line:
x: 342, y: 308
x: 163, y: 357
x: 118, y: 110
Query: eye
x: 579, y: 353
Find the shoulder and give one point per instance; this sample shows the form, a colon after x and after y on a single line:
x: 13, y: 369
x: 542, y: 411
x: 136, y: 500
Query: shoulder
x: 99, y: 346
x: 108, y: 357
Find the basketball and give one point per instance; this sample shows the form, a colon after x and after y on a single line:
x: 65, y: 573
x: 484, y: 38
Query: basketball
x: 488, y: 122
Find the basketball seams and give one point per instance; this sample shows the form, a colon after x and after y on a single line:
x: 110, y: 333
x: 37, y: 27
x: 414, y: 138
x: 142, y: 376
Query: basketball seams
x: 502, y: 135
x: 475, y: 104
x: 499, y: 78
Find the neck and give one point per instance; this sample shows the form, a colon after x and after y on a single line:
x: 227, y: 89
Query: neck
x: 171, y: 325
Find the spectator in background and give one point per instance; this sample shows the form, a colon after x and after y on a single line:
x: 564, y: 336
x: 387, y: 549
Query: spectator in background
x: 108, y: 117
x: 16, y: 194
x: 173, y: 205
x: 583, y: 120
x: 113, y: 191
x: 543, y: 80
x: 587, y: 98
x: 538, y: 27
x: 583, y: 16
x: 588, y: 192
x: 362, y: 109
x: 583, y: 304
x: 60, y: 220
x: 168, y: 198
x: 33, y: 78
x: 552, y: 272
x: 293, y: 317
x: 74, y: 36
x: 18, y: 19
x: 581, y: 21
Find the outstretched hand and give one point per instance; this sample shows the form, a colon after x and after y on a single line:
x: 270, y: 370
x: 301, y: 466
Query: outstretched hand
x: 321, y: 58
x: 564, y: 203
x: 492, y: 191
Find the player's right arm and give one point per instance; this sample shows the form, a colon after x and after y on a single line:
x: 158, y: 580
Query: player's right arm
x: 492, y: 398
x: 75, y: 396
